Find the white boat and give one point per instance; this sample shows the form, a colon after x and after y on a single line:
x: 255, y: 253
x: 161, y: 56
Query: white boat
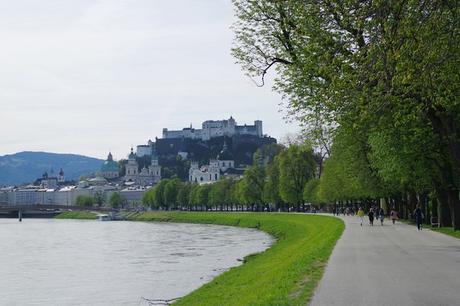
x: 104, y: 217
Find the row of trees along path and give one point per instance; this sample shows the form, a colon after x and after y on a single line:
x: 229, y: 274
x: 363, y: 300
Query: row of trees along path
x: 376, y: 84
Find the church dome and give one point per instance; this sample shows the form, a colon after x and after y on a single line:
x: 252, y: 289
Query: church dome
x: 225, y: 154
x: 109, y: 165
x: 131, y: 155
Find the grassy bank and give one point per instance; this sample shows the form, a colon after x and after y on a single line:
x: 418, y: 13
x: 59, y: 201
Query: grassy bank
x: 448, y: 231
x: 77, y: 215
x: 444, y: 230
x: 285, y: 274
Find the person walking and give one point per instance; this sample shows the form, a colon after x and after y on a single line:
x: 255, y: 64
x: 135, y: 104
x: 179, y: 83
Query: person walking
x: 418, y: 215
x: 371, y: 216
x: 361, y: 215
x: 393, y: 215
x: 381, y: 216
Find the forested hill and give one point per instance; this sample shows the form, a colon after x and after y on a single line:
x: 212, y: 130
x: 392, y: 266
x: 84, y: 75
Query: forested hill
x: 25, y: 167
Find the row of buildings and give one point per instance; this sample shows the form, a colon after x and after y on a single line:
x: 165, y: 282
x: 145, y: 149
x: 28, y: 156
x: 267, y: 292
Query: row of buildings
x: 67, y: 195
x: 56, y: 190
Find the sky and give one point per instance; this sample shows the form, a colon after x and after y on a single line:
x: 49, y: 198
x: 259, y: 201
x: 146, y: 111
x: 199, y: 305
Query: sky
x: 89, y: 76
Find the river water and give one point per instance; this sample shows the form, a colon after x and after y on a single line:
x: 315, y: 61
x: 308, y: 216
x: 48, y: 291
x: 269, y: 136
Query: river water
x: 73, y: 262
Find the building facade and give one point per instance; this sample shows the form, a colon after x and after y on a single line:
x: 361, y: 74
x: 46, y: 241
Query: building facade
x: 147, y: 175
x: 216, y: 169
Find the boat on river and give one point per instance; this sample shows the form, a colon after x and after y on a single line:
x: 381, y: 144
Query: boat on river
x: 104, y: 217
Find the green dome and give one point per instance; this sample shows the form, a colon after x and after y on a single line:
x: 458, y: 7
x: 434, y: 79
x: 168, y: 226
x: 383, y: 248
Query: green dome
x: 109, y: 166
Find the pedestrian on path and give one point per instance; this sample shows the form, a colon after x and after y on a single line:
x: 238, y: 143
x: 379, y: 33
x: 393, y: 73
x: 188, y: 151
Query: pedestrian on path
x: 418, y: 217
x: 381, y: 216
x: 371, y: 216
x: 393, y: 215
x: 361, y: 215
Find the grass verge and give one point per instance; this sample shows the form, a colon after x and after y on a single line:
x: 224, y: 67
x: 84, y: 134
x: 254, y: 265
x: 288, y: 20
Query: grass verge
x: 77, y: 215
x: 285, y: 274
x: 444, y: 230
x: 447, y: 230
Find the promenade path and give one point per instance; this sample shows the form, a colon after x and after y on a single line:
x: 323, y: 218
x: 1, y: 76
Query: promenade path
x: 391, y: 265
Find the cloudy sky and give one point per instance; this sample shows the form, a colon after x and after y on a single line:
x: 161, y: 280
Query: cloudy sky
x: 88, y: 76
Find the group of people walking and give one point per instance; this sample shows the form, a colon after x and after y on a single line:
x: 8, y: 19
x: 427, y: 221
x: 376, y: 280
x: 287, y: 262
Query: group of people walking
x: 376, y: 213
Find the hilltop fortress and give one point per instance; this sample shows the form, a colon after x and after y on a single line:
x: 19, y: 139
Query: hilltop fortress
x: 213, y: 129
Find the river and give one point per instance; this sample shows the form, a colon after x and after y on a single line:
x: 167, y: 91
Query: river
x: 73, y: 262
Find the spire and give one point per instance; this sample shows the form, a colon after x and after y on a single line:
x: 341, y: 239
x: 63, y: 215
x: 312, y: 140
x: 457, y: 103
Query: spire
x: 131, y: 155
x: 110, y: 157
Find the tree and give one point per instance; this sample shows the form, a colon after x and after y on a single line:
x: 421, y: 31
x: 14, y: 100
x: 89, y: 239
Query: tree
x: 251, y: 186
x: 202, y: 195
x: 297, y: 166
x: 311, y: 191
x: 183, y: 195
x: 85, y: 201
x: 271, y: 190
x: 116, y: 200
x: 359, y: 62
x: 99, y: 198
x: 158, y: 194
x: 170, y: 192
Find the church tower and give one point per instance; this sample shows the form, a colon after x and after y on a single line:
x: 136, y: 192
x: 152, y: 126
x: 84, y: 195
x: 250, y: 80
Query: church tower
x: 155, y: 168
x: 61, y: 177
x: 132, y: 168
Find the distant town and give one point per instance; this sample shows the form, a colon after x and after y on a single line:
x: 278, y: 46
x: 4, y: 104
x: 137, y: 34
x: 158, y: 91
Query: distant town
x: 220, y: 149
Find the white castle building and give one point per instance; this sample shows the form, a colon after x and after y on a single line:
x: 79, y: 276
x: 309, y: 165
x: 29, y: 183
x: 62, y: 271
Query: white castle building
x: 143, y: 150
x: 212, y: 172
x: 211, y: 129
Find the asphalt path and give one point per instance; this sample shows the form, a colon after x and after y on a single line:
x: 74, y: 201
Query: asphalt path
x: 391, y: 265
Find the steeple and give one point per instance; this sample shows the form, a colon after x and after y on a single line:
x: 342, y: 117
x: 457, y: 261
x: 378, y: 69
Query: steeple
x: 110, y: 157
x: 131, y: 155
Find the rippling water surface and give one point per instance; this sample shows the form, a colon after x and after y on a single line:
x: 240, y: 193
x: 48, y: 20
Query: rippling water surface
x: 67, y: 262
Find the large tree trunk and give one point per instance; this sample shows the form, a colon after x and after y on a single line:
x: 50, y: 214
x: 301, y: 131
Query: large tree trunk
x: 443, y: 208
x: 454, y: 205
x: 412, y: 202
x: 446, y: 127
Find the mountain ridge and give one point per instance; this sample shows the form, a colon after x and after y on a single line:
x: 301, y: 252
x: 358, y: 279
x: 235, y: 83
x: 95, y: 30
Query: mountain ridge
x: 26, y: 166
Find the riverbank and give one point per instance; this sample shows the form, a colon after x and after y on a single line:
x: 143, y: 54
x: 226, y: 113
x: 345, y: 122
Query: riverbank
x: 285, y: 274
x: 86, y: 215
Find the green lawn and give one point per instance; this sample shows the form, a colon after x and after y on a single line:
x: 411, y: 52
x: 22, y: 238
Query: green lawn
x: 448, y: 231
x: 77, y: 215
x: 285, y: 274
x: 445, y: 230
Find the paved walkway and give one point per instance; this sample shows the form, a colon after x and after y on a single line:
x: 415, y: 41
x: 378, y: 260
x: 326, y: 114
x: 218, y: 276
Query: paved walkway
x: 391, y: 265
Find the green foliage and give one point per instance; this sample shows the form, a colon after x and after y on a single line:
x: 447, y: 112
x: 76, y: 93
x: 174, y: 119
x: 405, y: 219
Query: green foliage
x: 252, y: 185
x: 311, y: 192
x: 297, y: 166
x: 85, y: 201
x: 99, y: 198
x: 385, y: 71
x: 116, y: 200
x: 271, y: 191
x: 183, y: 195
x: 170, y: 192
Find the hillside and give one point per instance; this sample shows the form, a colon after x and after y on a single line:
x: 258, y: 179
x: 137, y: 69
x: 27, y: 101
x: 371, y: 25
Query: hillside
x: 25, y: 167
